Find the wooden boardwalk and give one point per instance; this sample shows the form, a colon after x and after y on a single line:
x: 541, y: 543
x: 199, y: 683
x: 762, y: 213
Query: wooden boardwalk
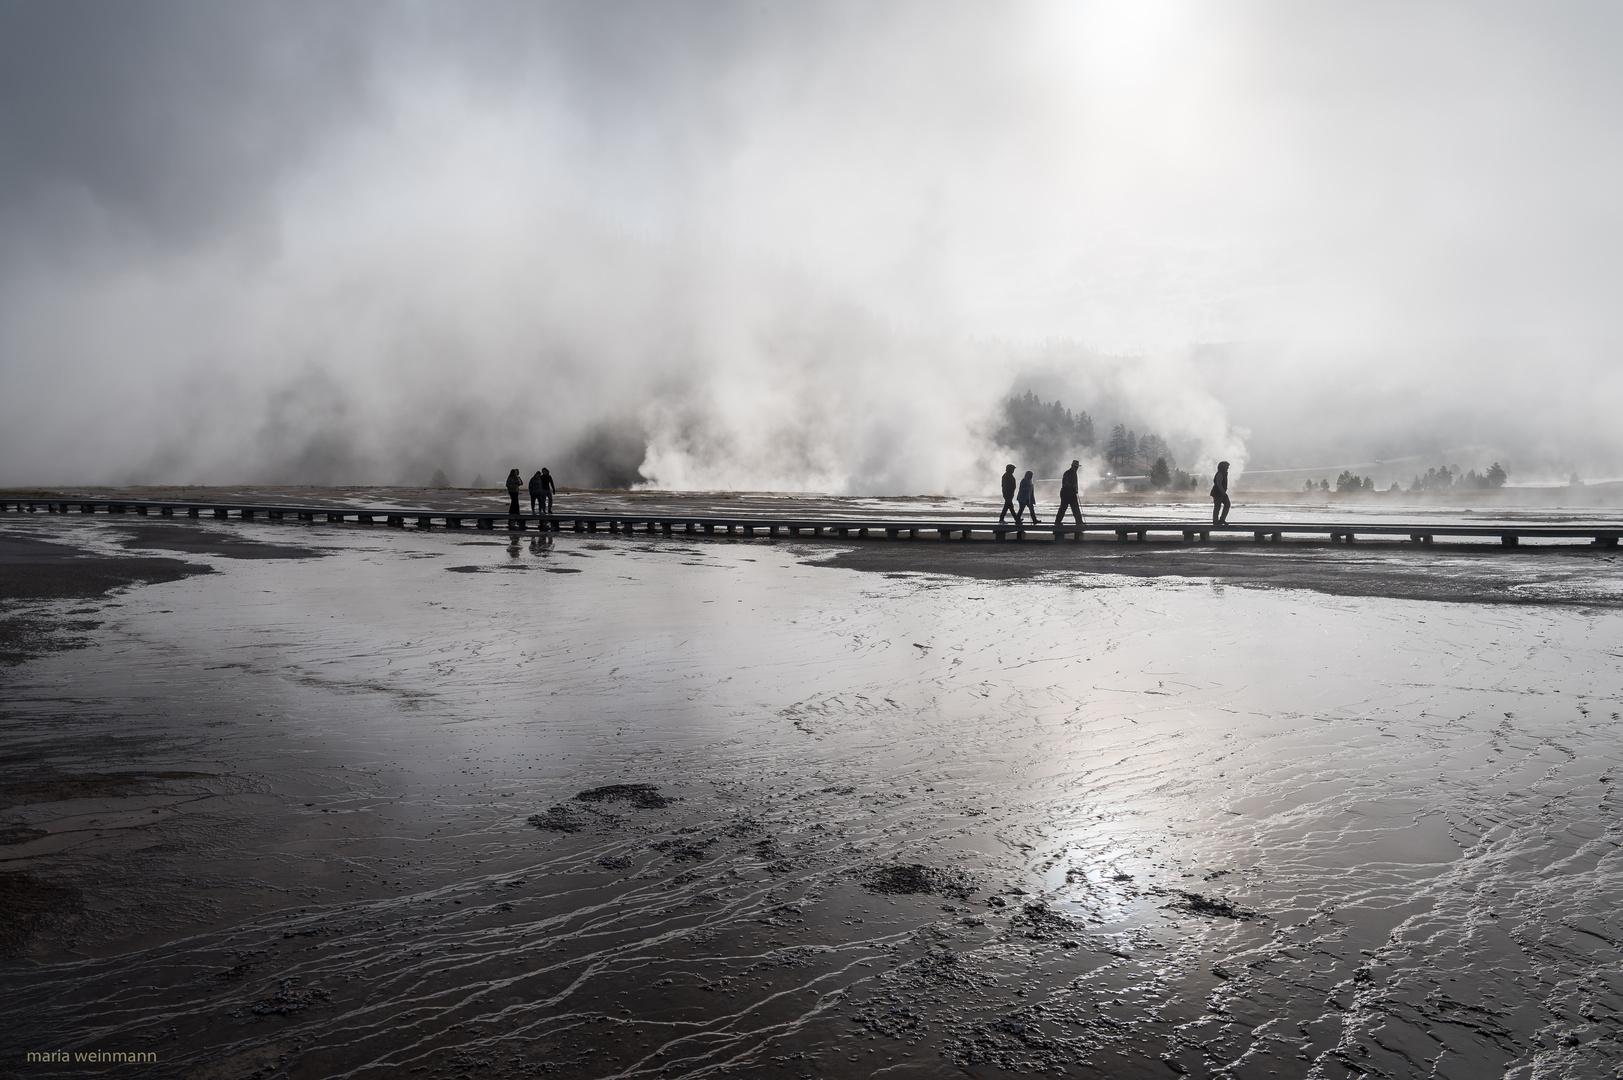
x: 625, y: 522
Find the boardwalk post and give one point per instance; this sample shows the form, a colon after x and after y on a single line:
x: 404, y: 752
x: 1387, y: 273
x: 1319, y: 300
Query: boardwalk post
x: 487, y: 523
x: 335, y: 516
x: 1510, y: 540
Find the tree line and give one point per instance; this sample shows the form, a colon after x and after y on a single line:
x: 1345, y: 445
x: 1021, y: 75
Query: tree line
x: 1046, y: 435
x: 1446, y: 478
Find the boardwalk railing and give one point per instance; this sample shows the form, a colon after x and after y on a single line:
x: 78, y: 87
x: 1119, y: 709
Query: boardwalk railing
x: 1600, y: 535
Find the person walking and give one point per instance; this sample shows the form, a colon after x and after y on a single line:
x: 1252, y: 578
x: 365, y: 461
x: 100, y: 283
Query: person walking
x: 1067, y: 494
x: 1220, y: 494
x: 536, y: 488
x: 547, y: 489
x: 1009, y: 484
x: 514, y: 483
x: 1028, y: 498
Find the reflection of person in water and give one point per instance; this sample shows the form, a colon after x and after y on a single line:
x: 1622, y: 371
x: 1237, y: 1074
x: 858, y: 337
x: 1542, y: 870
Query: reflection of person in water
x: 1067, y: 494
x: 1028, y: 498
x: 1009, y: 483
x: 514, y: 482
x: 1220, y: 494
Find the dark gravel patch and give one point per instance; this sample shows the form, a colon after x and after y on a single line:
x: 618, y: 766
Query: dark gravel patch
x: 639, y: 796
x: 915, y: 879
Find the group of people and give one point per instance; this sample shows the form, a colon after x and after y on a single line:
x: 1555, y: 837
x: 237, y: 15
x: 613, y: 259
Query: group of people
x: 1021, y: 495
x: 541, y: 489
x: 1018, y: 495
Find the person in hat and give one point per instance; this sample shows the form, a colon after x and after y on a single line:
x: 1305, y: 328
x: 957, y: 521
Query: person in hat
x: 1067, y: 494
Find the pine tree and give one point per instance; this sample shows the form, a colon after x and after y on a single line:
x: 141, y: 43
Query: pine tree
x: 1119, y: 451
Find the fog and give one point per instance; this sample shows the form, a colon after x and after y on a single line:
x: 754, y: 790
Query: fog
x: 787, y: 246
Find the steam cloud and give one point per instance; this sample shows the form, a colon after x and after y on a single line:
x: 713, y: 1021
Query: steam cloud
x: 798, y: 246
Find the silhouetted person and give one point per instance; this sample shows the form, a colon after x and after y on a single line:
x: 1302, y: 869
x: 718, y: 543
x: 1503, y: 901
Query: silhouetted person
x: 1028, y: 497
x: 1067, y: 494
x: 1220, y: 494
x: 547, y: 488
x: 536, y: 487
x: 514, y: 483
x: 1009, y: 484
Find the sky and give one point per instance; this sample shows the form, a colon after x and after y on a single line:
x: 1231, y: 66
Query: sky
x: 801, y: 246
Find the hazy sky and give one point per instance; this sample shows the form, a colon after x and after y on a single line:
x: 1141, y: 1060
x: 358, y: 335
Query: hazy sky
x: 798, y: 245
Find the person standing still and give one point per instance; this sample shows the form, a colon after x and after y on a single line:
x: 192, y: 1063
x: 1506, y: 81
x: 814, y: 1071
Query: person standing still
x: 535, y: 493
x: 514, y: 482
x: 1009, y: 483
x: 547, y: 489
x: 1220, y: 494
x: 1028, y: 497
x: 1067, y: 494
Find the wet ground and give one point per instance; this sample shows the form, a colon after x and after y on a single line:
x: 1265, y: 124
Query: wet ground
x: 392, y: 803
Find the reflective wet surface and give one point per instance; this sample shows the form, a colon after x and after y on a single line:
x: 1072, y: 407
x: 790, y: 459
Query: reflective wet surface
x: 439, y: 804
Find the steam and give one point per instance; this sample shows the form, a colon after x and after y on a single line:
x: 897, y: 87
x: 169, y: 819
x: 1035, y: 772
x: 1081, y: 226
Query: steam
x: 722, y: 246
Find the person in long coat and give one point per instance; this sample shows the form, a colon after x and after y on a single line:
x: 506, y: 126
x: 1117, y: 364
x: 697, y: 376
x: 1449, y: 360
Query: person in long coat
x: 514, y: 484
